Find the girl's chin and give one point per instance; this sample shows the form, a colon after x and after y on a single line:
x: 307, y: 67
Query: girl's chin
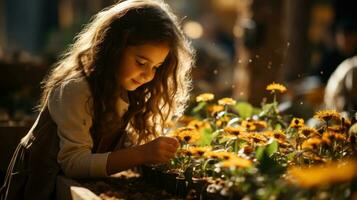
x: 131, y: 88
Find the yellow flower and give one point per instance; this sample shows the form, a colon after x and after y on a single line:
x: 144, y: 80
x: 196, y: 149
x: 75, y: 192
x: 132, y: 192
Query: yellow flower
x: 199, y: 125
x: 311, y: 143
x: 279, y: 134
x: 205, y: 97
x: 200, y: 151
x: 259, y: 124
x: 214, y: 109
x: 187, y: 134
x: 276, y: 134
x: 249, y: 126
x: 234, y: 130
x: 327, y: 115
x: 325, y: 174
x: 222, y: 121
x: 236, y: 162
x: 226, y: 102
x: 223, y: 155
x: 331, y: 136
x: 307, y: 131
x: 276, y: 87
x: 257, y: 138
x: 297, y: 123
x: 335, y: 128
x: 197, y: 151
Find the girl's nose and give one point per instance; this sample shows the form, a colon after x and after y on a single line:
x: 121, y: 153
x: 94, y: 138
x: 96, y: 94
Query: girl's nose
x: 147, y: 74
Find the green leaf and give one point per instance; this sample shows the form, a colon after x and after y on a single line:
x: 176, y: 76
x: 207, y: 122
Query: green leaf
x: 244, y: 109
x: 272, y: 148
x: 199, y: 107
x: 259, y: 152
x: 267, y: 164
x: 206, y: 137
x: 291, y: 155
x: 278, y: 126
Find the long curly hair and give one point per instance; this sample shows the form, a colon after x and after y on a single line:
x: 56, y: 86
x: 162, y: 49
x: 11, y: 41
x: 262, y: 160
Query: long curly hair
x: 96, y: 54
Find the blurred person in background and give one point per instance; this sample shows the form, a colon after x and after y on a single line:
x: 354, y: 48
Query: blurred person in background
x: 341, y: 89
x: 345, y: 37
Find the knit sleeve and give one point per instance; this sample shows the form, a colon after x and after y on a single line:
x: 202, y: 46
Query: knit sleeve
x: 69, y: 106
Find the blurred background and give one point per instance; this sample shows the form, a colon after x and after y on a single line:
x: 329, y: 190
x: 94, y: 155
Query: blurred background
x: 242, y: 45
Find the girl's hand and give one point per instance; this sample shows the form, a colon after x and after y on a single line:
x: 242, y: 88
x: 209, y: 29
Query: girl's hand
x: 160, y: 150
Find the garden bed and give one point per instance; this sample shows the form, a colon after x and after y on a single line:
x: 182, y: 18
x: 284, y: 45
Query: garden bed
x: 231, y: 150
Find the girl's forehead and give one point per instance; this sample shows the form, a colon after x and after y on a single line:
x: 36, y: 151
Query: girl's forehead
x: 153, y: 52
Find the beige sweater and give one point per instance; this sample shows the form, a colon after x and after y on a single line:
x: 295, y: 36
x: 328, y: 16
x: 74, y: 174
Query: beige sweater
x: 69, y: 109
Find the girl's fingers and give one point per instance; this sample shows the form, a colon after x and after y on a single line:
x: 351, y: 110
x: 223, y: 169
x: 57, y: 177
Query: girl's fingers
x: 171, y: 140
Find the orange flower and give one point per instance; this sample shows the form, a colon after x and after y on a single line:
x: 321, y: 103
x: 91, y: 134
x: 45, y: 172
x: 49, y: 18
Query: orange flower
x: 197, y: 151
x: 335, y: 128
x: 307, y: 131
x: 311, y: 143
x: 223, y: 155
x: 236, y: 162
x: 259, y: 124
x: 234, y: 130
x: 323, y: 174
x: 205, y: 97
x: 279, y: 135
x: 257, y: 138
x: 331, y: 136
x: 222, y: 121
x: 187, y: 134
x: 199, y: 125
x: 276, y: 87
x: 214, y: 109
x: 327, y: 115
x: 249, y: 126
x: 297, y: 123
x: 226, y: 102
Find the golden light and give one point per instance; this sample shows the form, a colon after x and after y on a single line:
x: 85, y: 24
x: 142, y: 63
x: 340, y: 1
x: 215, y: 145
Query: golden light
x: 193, y: 29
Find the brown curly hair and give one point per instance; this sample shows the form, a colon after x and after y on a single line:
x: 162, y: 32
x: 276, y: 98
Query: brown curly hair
x: 96, y: 53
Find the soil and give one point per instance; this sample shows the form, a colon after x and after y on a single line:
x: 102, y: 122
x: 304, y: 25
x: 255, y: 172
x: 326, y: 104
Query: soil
x: 125, y: 185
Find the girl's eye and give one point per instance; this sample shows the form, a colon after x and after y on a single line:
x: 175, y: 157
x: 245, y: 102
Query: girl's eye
x: 140, y: 63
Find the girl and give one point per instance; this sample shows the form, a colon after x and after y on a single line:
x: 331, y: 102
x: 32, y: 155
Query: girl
x: 122, y: 79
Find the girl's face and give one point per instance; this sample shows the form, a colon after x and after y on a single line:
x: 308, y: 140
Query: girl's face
x: 139, y: 64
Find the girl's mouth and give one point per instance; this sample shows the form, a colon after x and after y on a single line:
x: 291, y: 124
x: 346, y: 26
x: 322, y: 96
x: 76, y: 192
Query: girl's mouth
x: 136, y: 82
